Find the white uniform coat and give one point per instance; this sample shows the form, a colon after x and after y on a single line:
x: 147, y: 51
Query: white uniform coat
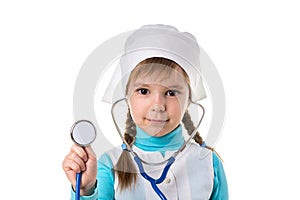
x: 190, y: 176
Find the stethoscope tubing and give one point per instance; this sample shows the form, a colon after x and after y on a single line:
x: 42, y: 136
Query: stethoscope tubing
x: 78, y: 183
x: 153, y: 181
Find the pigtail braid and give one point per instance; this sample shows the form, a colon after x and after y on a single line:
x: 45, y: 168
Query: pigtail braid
x: 190, y: 127
x: 125, y: 167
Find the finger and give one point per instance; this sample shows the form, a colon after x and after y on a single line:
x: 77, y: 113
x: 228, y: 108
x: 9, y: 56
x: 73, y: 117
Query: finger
x: 72, y: 163
x: 80, y: 152
x: 70, y: 169
x: 74, y: 157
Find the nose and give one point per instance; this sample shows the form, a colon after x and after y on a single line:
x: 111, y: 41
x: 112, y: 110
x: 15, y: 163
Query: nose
x: 158, y: 103
x: 158, y: 108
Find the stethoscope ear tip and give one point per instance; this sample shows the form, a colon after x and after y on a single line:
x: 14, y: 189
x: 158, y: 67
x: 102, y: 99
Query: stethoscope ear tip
x: 203, y: 144
x: 124, y: 147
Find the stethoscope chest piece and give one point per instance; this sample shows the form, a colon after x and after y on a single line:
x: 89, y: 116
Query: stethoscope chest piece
x: 83, y: 133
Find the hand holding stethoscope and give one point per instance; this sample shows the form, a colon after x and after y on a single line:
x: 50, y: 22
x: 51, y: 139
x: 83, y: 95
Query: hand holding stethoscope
x: 80, y: 165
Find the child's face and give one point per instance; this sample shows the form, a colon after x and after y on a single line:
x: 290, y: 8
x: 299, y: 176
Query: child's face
x: 157, y: 105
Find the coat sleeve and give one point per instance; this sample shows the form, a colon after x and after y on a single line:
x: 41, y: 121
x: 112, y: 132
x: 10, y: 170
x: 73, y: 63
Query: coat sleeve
x: 220, y: 188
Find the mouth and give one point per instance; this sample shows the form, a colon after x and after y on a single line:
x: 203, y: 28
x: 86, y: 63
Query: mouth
x: 157, y: 121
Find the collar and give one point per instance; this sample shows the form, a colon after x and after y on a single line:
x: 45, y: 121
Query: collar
x: 169, y: 142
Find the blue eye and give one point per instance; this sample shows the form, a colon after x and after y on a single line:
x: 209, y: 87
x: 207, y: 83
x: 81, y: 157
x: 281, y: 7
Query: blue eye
x: 143, y: 91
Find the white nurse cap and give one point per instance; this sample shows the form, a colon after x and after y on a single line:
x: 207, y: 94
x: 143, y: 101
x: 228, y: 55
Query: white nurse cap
x: 158, y: 41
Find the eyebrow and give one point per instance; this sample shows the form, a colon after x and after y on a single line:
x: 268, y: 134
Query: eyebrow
x: 179, y: 87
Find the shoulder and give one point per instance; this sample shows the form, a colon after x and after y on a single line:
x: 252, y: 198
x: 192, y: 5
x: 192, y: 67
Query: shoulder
x: 109, y: 158
x: 201, y: 153
x: 217, y: 162
x: 112, y: 155
x: 195, y: 157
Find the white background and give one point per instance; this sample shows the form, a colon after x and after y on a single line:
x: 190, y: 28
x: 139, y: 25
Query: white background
x: 255, y: 46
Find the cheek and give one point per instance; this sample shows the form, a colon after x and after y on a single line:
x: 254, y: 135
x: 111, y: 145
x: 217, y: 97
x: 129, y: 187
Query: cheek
x: 183, y: 102
x: 136, y: 110
x: 177, y: 110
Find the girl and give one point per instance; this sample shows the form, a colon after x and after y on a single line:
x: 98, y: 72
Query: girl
x: 158, y: 92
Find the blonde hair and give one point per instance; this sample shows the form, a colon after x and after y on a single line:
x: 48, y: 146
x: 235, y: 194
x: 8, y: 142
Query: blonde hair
x: 125, y: 168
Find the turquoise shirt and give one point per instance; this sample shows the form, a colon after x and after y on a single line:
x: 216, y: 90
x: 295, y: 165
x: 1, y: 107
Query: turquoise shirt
x: 169, y: 142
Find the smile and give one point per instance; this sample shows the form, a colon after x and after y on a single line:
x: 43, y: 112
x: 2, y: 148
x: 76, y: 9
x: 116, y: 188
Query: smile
x: 157, y: 120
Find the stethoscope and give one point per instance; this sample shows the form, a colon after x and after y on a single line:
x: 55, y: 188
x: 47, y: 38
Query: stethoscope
x: 83, y: 133
x: 139, y: 161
